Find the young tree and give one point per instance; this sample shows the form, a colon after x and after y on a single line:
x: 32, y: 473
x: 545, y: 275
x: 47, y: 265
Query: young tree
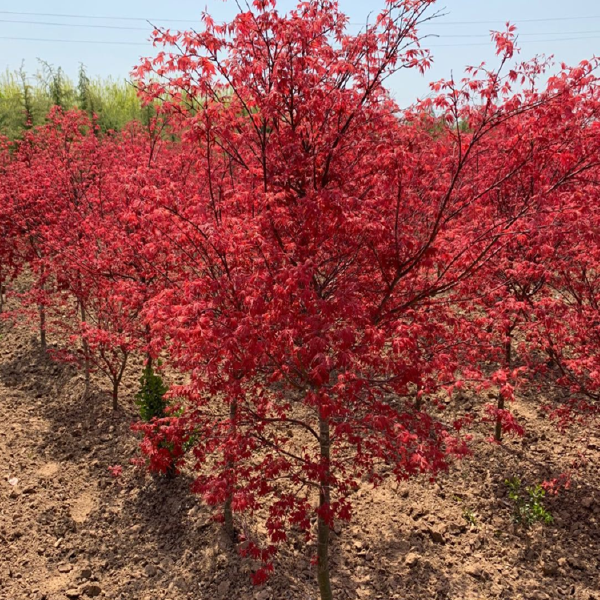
x: 567, y: 315
x: 8, y: 265
x: 309, y: 294
x: 67, y: 204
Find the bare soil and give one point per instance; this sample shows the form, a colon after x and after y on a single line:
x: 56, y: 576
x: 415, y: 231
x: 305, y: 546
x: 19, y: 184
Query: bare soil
x: 69, y: 530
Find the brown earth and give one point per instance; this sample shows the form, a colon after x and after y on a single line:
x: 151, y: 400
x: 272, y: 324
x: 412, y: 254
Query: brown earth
x: 69, y: 530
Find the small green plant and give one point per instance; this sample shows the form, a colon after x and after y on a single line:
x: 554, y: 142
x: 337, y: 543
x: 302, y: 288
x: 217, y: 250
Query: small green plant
x: 469, y: 517
x: 152, y: 404
x: 151, y: 395
x: 528, y: 503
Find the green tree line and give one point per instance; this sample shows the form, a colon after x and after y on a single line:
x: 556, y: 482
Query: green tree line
x: 26, y: 99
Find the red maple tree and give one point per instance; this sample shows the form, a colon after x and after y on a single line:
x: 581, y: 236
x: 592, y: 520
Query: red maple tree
x: 325, y: 237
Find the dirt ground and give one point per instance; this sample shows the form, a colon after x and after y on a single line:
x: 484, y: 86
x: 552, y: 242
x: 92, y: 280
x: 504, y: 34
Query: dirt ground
x: 69, y: 530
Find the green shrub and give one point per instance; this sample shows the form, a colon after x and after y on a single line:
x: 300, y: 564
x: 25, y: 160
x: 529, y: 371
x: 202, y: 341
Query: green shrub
x: 528, y: 503
x: 151, y: 395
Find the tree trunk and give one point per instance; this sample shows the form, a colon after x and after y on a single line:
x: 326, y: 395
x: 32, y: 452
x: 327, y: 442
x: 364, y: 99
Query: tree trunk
x: 42, y: 310
x: 115, y: 395
x: 508, y: 361
x: 228, y: 519
x: 43, y: 344
x: 227, y: 510
x: 498, y: 432
x: 86, y: 354
x: 117, y: 381
x: 322, y: 525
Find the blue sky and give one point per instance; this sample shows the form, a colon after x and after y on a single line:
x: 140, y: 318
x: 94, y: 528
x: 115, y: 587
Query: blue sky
x: 570, y: 31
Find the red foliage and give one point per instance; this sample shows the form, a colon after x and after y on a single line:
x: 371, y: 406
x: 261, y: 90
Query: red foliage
x: 318, y: 288
x: 322, y: 266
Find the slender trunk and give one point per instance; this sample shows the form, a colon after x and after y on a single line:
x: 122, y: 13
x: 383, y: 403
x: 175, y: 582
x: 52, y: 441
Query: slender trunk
x: 1, y: 294
x: 498, y: 432
x: 419, y: 400
x: 42, y: 310
x: 117, y: 382
x: 227, y: 508
x: 149, y: 362
x: 43, y: 344
x: 508, y: 361
x: 228, y: 519
x: 115, y: 395
x: 322, y: 524
x: 86, y: 354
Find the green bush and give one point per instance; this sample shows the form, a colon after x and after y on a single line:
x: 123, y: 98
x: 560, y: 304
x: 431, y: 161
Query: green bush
x: 528, y: 503
x: 151, y: 396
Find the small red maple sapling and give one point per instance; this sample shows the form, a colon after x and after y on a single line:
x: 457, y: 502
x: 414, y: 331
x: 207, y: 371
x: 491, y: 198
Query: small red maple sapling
x: 116, y: 471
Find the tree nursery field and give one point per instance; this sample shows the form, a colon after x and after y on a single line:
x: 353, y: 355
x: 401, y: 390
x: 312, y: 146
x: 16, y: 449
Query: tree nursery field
x: 284, y: 340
